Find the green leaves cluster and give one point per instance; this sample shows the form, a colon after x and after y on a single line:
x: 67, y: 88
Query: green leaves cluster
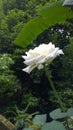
x: 22, y: 117
x: 8, y: 81
x: 40, y: 121
x: 13, y: 15
x: 47, y: 16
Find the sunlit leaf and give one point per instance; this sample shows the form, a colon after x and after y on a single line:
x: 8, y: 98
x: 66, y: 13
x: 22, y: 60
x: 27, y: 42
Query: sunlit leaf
x: 27, y: 129
x: 40, y: 119
x: 47, y: 16
x: 54, y: 125
x: 70, y: 112
x: 57, y: 114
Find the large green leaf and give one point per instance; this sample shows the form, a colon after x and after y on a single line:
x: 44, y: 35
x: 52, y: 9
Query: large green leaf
x: 70, y: 112
x: 54, y: 125
x: 27, y: 129
x: 57, y: 114
x: 47, y: 16
x: 40, y: 119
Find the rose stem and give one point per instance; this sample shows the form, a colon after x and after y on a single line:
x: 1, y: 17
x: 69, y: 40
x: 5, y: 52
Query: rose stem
x: 54, y: 89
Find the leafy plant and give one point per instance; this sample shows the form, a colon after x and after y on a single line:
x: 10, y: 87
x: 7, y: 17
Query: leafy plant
x: 40, y: 121
x: 23, y: 118
x: 9, y: 84
x: 47, y: 16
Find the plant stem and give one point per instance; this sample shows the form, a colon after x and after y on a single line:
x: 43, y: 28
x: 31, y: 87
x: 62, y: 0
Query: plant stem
x: 54, y: 89
x: 27, y: 107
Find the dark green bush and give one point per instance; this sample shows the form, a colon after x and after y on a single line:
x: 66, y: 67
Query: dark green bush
x: 9, y: 84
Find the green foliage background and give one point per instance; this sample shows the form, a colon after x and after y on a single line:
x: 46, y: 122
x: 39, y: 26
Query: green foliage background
x: 19, y: 88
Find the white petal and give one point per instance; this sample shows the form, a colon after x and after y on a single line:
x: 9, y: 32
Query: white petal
x: 41, y: 61
x: 33, y: 61
x: 24, y: 57
x: 52, y: 54
x: 60, y: 52
x: 29, y: 69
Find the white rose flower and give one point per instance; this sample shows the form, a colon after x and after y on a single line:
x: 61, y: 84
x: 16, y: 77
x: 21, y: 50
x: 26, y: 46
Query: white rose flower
x: 44, y: 53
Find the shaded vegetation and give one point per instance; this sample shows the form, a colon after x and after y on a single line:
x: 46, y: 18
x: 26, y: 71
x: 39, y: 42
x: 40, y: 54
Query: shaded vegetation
x: 18, y: 88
